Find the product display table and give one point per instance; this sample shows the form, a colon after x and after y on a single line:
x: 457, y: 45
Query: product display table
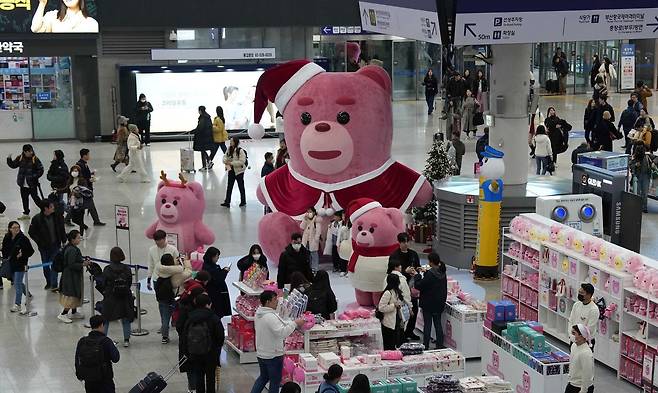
x: 512, y: 363
x: 460, y: 325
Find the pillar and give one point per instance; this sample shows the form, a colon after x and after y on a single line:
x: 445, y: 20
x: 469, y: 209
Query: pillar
x: 508, y: 97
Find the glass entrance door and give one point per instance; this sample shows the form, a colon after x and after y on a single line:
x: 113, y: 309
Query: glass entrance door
x: 404, y: 70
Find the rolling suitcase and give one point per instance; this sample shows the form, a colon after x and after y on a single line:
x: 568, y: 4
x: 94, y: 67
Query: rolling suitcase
x: 187, y: 157
x: 154, y: 382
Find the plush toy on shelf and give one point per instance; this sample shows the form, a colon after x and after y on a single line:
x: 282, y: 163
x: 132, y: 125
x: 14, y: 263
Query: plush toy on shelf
x: 634, y: 264
x: 653, y: 287
x: 568, y: 239
x: 595, y: 250
x: 620, y: 262
x: 577, y: 243
x: 603, y: 254
x: 610, y: 259
x: 637, y: 279
x: 555, y: 231
x: 646, y: 280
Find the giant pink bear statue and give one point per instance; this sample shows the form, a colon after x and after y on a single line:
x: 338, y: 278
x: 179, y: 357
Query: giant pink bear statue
x: 339, y: 131
x: 180, y: 206
x: 374, y: 239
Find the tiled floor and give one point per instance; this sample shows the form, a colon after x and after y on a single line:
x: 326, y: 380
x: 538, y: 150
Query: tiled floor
x: 37, y: 352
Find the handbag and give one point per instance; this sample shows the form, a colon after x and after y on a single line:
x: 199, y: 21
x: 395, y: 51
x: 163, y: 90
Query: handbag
x: 550, y: 167
x: 478, y: 119
x: 405, y: 312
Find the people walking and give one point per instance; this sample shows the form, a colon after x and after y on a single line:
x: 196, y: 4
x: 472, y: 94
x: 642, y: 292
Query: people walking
x: 311, y: 227
x: 30, y: 170
x: 431, y: 89
x: 48, y: 232
x: 201, y: 341
x: 282, y: 155
x: 219, y: 134
x: 58, y: 174
x: 480, y: 90
x: 643, y: 91
x: 17, y: 249
x: 433, y: 287
x: 79, y: 198
x: 143, y: 110
x: 469, y: 106
x: 627, y: 121
x: 203, y: 138
x: 543, y: 150
x: 155, y: 253
x: 605, y: 133
x: 607, y: 70
x: 585, y: 310
x: 89, y: 175
x: 558, y: 132
x: 235, y: 163
x: 70, y: 290
x: 171, y: 277
x: 136, y: 157
x: 594, y: 71
x: 118, y: 300
x: 94, y: 356
x: 640, y: 167
x: 271, y: 331
x: 581, y: 361
x: 121, y: 152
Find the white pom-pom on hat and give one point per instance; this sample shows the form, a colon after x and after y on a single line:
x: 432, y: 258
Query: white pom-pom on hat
x: 256, y: 131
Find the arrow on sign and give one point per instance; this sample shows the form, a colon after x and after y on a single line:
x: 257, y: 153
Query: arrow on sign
x: 467, y: 27
x: 365, y: 15
x: 327, y: 29
x: 654, y: 24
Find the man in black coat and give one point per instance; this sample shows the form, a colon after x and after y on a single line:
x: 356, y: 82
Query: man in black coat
x: 87, y: 174
x: 58, y: 173
x: 98, y: 376
x: 295, y: 258
x: 410, y: 261
x: 203, y: 320
x: 30, y: 170
x: 433, y: 287
x: 47, y: 231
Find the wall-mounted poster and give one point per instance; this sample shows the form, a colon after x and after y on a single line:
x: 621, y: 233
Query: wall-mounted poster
x: 49, y: 16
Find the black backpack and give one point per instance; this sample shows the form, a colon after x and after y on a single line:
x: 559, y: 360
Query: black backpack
x: 246, y: 158
x: 654, y: 140
x: 58, y: 260
x: 91, y: 365
x: 121, y: 285
x: 198, y: 338
x: 164, y: 290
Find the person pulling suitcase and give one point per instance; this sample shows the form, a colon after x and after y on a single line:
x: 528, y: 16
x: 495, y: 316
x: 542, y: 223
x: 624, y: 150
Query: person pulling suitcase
x: 94, y: 356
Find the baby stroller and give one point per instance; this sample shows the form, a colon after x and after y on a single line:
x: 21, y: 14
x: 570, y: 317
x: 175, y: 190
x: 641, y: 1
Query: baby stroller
x: 96, y: 273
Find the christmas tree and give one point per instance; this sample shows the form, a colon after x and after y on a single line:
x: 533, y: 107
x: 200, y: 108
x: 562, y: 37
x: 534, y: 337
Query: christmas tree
x: 439, y: 166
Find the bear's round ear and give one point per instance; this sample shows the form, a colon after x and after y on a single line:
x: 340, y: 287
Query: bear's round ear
x: 377, y: 74
x: 160, y: 185
x: 197, y: 189
x: 395, y: 215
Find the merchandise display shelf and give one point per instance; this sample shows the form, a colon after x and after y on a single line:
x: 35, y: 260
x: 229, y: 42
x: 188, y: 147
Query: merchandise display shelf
x: 501, y: 358
x: 521, y: 261
x: 459, y: 328
x: 240, y: 313
x: 247, y: 290
x: 527, y: 243
x: 245, y: 357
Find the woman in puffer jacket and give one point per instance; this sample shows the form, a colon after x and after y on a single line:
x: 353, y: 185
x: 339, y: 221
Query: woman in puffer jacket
x: 311, y: 227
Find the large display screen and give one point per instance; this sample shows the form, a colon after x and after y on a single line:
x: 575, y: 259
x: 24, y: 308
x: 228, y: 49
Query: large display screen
x: 176, y: 98
x: 49, y: 16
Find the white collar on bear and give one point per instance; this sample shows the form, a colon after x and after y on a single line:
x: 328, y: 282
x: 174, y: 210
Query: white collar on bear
x: 329, y: 187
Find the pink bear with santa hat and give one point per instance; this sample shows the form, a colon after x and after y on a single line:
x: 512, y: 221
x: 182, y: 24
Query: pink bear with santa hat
x: 339, y: 131
x: 374, y: 239
x: 179, y: 206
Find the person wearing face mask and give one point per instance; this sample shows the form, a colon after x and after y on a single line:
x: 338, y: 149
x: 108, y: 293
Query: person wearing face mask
x: 311, y: 236
x: 295, y: 258
x: 143, y: 111
x: 217, y: 288
x: 585, y: 311
x: 255, y: 256
x: 581, y: 361
x: 79, y: 197
x: 30, y: 170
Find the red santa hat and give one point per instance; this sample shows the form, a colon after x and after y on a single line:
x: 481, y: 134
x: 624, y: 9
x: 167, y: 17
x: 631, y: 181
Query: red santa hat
x: 360, y: 206
x: 278, y: 85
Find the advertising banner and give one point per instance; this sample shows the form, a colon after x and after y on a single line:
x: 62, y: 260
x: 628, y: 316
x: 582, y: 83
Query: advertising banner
x: 515, y: 21
x: 49, y: 16
x: 413, y: 19
x: 627, y: 66
x: 121, y: 217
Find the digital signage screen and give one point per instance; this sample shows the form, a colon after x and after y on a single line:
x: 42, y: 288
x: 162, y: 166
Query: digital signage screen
x: 49, y: 16
x: 176, y: 98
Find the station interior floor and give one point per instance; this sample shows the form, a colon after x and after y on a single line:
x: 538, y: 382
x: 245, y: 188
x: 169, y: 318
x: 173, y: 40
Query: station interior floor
x: 37, y: 352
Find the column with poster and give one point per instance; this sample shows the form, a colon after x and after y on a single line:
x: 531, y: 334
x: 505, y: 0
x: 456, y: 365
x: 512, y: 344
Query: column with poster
x: 627, y: 66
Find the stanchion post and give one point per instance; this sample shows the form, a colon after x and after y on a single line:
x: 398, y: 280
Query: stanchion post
x: 28, y: 300
x: 139, y: 331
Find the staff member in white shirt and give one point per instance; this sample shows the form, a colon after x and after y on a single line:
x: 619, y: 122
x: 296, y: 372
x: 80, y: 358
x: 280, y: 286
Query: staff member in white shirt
x: 585, y: 311
x: 581, y: 361
x: 72, y: 17
x: 156, y: 252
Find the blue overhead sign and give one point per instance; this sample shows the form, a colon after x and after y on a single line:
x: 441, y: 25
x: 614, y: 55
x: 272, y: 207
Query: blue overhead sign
x: 413, y: 19
x: 515, y: 21
x: 43, y: 96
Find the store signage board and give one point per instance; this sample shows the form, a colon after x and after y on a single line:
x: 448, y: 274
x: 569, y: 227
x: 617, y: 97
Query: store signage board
x: 11, y: 47
x: 342, y: 30
x: 413, y: 19
x: 214, y: 54
x: 27, y: 16
x: 627, y: 68
x: 44, y: 96
x: 515, y: 22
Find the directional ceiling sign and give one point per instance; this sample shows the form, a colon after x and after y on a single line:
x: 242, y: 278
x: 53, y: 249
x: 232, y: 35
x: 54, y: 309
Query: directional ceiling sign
x: 413, y: 19
x: 522, y: 21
